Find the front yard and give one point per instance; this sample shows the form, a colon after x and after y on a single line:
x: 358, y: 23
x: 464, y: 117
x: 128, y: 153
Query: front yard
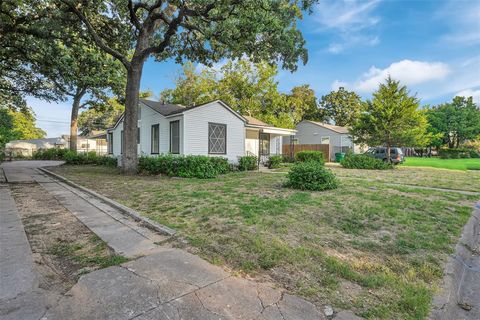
x: 454, y: 164
x: 368, y: 246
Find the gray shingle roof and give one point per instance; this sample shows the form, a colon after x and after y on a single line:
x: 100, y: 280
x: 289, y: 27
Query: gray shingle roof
x: 164, y: 109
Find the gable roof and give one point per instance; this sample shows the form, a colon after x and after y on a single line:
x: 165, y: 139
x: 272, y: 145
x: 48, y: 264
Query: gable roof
x: 337, y: 129
x: 165, y: 109
x: 255, y: 122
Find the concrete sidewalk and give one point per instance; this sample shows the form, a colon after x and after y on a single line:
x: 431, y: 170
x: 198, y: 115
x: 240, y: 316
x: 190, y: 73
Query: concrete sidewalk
x: 166, y: 283
x: 21, y: 296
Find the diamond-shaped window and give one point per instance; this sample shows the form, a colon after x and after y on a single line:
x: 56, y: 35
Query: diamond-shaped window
x: 217, y: 138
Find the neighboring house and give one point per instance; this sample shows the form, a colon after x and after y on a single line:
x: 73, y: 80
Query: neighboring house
x: 211, y: 129
x: 312, y: 132
x: 27, y: 148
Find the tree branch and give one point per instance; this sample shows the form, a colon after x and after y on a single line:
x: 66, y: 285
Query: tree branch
x: 98, y: 40
x: 133, y: 15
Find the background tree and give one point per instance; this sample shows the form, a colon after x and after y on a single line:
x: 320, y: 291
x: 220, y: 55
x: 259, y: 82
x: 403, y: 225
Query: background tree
x: 303, y: 103
x: 342, y: 107
x: 18, y: 125
x: 104, y: 115
x: 391, y: 118
x: 199, y: 30
x: 456, y: 121
x: 247, y: 87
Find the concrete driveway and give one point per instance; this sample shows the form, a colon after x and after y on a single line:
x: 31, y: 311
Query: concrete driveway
x: 24, y: 171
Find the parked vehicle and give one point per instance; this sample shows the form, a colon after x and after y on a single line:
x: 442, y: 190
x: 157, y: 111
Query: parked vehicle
x: 396, y: 154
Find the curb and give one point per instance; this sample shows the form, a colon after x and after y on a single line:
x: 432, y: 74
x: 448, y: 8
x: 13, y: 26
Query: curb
x: 459, y: 263
x: 124, y: 209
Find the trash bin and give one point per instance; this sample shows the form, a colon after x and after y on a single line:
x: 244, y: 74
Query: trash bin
x: 339, y: 156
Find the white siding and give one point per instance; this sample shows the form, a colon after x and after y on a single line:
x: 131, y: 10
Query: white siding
x: 309, y: 133
x: 196, y: 130
x: 116, y: 139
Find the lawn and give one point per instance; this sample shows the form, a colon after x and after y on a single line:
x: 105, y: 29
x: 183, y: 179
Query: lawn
x: 453, y: 164
x: 370, y: 247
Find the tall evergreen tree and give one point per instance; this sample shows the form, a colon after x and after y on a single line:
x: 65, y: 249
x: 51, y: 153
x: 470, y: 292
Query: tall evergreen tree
x: 391, y: 118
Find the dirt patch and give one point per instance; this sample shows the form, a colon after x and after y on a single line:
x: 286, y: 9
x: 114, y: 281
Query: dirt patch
x: 63, y: 248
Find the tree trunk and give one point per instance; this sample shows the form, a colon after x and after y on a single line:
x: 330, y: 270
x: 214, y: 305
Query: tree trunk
x: 130, y: 120
x: 74, y: 120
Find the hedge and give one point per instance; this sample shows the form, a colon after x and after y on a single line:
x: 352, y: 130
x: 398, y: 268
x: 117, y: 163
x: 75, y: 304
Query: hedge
x: 72, y: 157
x: 305, y: 156
x: 311, y: 175
x: 362, y: 161
x: 184, y: 166
x: 457, y: 153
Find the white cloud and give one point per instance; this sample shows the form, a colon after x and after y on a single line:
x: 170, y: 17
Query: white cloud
x: 408, y: 72
x: 463, y: 21
x: 475, y: 93
x: 346, y: 14
x: 351, y: 22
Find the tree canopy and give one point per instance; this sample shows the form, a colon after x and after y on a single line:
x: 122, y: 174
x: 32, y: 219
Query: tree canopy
x: 391, y: 118
x: 18, y: 125
x: 204, y: 31
x: 342, y: 107
x: 455, y: 122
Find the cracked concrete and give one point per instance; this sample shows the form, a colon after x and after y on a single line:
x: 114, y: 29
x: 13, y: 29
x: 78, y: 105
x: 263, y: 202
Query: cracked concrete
x: 174, y: 284
x: 459, y: 297
x: 166, y: 283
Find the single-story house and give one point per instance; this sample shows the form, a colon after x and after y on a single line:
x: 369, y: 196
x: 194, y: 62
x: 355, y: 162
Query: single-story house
x: 211, y: 129
x: 313, y: 132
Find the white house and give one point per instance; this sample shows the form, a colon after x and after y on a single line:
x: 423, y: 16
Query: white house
x: 312, y: 132
x: 212, y: 129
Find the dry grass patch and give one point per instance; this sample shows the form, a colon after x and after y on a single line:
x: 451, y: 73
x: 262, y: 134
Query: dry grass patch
x: 389, y: 242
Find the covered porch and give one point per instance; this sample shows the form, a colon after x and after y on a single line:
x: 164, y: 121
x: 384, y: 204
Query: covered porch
x: 264, y: 141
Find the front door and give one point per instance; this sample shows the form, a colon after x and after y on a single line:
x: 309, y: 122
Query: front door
x: 264, y: 146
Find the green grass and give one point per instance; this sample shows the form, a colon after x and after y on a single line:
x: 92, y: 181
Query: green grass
x: 94, y: 254
x: 452, y: 164
x: 389, y: 241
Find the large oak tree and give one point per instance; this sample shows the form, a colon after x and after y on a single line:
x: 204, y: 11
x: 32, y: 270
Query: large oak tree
x: 204, y: 31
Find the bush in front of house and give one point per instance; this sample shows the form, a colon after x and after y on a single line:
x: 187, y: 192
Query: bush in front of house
x: 247, y: 163
x: 361, y: 161
x: 275, y: 161
x: 50, y: 154
x: 72, y: 157
x: 191, y: 166
x: 311, y: 175
x: 310, y: 155
x: 457, y: 153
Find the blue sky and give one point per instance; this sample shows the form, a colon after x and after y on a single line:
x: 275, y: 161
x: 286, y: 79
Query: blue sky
x: 431, y: 46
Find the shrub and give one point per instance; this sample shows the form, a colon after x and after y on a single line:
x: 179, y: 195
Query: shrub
x: 288, y: 159
x: 50, y: 154
x: 456, y: 153
x: 247, y: 163
x: 305, y: 156
x: 311, y: 175
x: 275, y: 161
x: 72, y: 157
x: 184, y: 166
x: 362, y: 161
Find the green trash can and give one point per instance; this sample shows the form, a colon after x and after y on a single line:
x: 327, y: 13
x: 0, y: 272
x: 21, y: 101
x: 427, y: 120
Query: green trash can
x: 339, y: 156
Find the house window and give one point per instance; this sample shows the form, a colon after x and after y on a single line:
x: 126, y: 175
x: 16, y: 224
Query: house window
x: 155, y: 139
x: 217, y: 138
x: 175, y: 137
x: 110, y: 143
x: 121, y: 141
x: 138, y: 135
x: 264, y: 144
x: 325, y: 140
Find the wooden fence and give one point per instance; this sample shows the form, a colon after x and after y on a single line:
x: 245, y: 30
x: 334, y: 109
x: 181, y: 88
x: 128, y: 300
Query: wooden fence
x: 324, y: 148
